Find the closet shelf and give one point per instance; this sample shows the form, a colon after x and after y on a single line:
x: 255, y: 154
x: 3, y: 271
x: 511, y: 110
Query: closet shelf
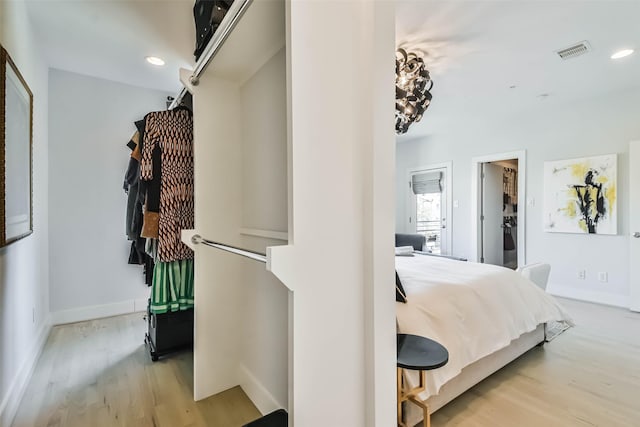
x: 224, y: 29
x: 269, y: 234
x: 248, y: 36
x: 196, y: 239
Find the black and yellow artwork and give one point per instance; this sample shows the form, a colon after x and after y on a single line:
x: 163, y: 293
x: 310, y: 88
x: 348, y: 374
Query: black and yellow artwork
x: 581, y: 195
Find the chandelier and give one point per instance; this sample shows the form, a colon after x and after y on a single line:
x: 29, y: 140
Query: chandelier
x: 413, y: 85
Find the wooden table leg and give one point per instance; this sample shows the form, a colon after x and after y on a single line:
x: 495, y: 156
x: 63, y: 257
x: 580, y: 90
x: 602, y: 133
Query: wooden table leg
x: 411, y: 395
x: 425, y: 410
x: 400, y: 397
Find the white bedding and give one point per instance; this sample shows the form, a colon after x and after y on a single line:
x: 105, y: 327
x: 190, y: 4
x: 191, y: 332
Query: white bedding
x: 472, y: 309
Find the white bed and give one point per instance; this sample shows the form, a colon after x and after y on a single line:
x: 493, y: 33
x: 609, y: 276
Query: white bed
x: 486, y: 316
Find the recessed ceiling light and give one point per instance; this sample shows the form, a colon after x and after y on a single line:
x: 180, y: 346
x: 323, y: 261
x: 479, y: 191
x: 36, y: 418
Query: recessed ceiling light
x: 154, y: 60
x: 622, y: 53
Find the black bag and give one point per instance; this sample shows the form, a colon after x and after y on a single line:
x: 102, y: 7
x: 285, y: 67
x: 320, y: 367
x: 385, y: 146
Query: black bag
x: 509, y: 244
x: 208, y: 15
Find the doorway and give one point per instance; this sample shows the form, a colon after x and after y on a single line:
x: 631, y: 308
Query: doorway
x: 429, y: 206
x: 499, y: 208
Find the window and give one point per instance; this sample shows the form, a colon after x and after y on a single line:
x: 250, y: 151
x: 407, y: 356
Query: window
x: 428, y: 208
x: 429, y: 220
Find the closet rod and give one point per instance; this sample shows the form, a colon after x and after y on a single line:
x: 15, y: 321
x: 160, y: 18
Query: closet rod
x: 196, y: 239
x: 227, y: 25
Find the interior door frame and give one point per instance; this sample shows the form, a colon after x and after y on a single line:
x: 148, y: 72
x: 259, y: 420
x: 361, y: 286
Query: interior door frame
x: 634, y: 276
x: 476, y: 201
x: 411, y: 226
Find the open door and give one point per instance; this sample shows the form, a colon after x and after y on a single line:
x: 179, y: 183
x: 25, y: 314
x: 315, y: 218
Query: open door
x: 634, y: 219
x: 492, y: 235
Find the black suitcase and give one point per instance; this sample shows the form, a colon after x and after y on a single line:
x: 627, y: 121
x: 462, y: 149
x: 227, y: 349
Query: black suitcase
x: 208, y: 15
x: 169, y: 332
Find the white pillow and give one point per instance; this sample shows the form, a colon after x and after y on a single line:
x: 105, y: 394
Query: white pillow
x: 404, y: 251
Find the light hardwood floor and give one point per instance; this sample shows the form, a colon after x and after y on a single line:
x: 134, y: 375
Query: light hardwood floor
x: 588, y: 376
x: 99, y: 373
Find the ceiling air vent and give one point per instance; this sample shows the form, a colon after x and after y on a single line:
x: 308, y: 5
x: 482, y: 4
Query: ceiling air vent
x: 575, y: 50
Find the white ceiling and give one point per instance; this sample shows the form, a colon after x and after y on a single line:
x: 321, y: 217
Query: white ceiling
x: 476, y: 50
x: 111, y: 38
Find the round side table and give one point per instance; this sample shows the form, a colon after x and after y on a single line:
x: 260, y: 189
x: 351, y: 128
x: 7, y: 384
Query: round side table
x: 418, y: 354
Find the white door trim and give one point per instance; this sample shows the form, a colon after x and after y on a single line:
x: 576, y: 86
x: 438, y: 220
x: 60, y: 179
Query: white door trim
x: 410, y: 227
x: 634, y: 206
x: 521, y: 155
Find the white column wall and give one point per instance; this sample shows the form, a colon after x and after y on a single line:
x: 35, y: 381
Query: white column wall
x: 339, y: 263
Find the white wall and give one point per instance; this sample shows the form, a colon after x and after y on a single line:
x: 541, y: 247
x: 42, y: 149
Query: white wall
x: 240, y: 149
x: 264, y: 151
x: 553, y: 131
x: 264, y: 350
x: 24, y: 267
x: 339, y: 261
x: 91, y: 120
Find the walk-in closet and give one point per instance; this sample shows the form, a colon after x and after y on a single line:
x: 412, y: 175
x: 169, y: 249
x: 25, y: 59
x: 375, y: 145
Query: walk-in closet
x: 293, y: 213
x: 240, y: 134
x: 289, y: 301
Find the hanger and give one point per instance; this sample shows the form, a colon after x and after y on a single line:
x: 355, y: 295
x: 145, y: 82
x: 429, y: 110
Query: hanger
x: 182, y: 107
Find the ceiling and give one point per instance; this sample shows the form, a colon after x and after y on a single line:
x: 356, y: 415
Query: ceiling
x: 476, y: 50
x: 111, y: 38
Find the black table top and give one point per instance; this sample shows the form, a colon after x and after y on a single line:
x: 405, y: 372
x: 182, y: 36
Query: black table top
x: 420, y: 353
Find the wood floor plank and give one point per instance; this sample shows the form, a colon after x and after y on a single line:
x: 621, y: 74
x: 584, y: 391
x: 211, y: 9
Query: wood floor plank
x: 588, y: 376
x: 99, y: 374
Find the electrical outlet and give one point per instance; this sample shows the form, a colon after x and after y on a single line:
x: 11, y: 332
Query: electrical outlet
x: 582, y: 274
x: 603, y: 276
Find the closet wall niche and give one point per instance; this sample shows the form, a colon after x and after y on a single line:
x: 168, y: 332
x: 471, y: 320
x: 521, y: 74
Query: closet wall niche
x: 294, y: 154
x: 240, y: 149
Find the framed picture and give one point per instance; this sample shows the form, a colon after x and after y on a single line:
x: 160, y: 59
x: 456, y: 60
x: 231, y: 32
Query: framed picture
x: 580, y: 195
x: 16, y: 138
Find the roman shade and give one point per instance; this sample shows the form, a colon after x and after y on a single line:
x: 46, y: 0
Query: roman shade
x: 426, y: 183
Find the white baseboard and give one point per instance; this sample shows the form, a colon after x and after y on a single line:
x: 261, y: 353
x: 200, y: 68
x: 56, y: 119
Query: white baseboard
x: 259, y: 395
x: 18, y: 386
x: 616, y: 300
x: 98, y: 311
x: 140, y: 305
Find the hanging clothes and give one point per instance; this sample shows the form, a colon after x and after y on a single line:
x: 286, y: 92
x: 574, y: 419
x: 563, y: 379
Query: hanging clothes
x: 133, y: 224
x: 131, y: 186
x: 149, y: 189
x: 510, y: 179
x: 169, y: 134
x: 508, y: 243
x: 134, y: 208
x: 172, y: 288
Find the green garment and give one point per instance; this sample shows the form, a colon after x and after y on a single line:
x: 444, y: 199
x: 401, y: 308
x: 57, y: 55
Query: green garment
x: 172, y: 287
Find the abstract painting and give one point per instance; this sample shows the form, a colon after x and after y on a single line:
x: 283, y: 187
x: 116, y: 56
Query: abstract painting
x: 580, y: 195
